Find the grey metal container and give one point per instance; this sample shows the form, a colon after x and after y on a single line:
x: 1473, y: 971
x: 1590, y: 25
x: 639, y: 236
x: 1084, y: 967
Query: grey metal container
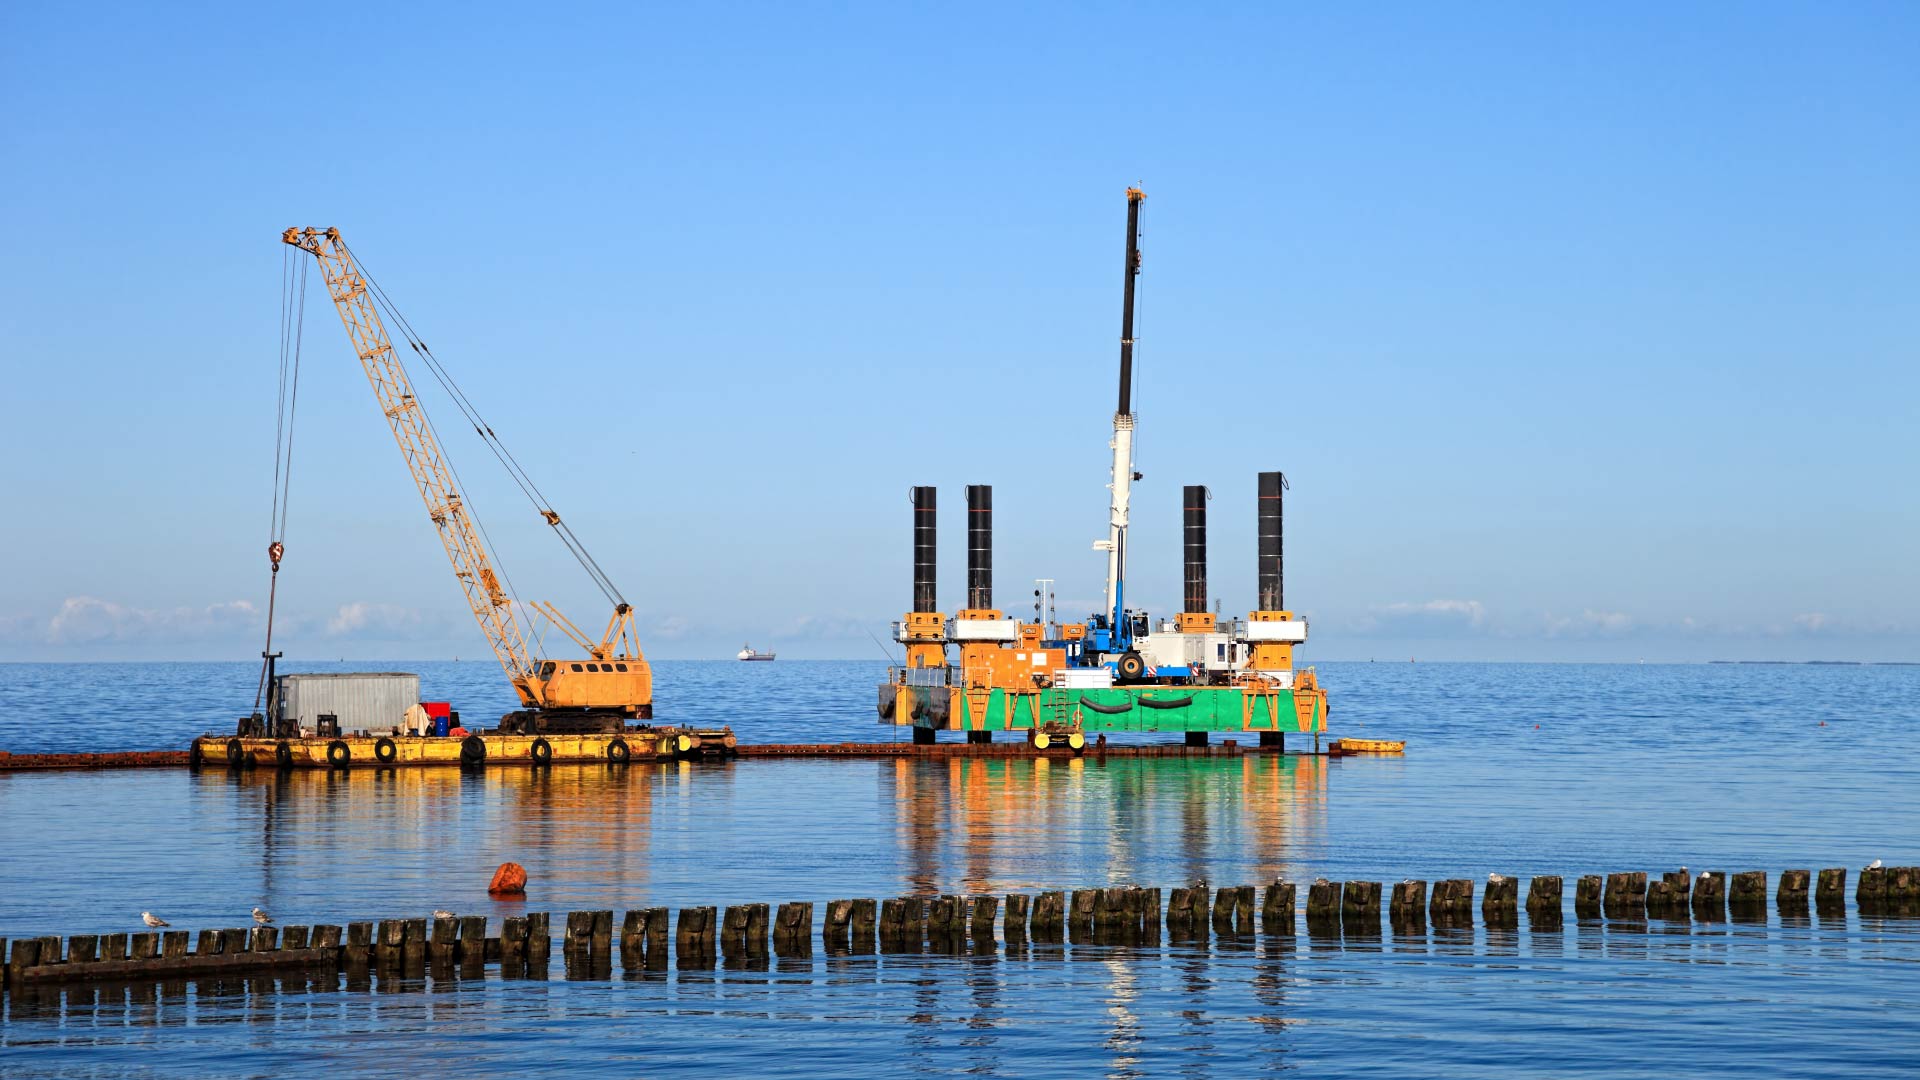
x: 362, y: 700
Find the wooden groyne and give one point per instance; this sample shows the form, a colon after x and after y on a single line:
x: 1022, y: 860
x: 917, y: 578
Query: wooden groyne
x: 130, y: 759
x: 1117, y: 915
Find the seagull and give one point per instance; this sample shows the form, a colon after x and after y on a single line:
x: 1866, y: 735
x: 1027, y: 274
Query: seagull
x: 1496, y: 878
x: 1874, y: 865
x: 1705, y: 874
x: 153, y: 920
x: 1321, y: 881
x: 262, y: 917
x: 443, y: 913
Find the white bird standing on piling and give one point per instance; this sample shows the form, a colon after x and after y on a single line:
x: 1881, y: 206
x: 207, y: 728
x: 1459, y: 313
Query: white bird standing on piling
x: 1496, y: 879
x: 153, y: 920
x: 1705, y: 874
x: 442, y: 913
x: 1874, y: 865
x: 262, y: 917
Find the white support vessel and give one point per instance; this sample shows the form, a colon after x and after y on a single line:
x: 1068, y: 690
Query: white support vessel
x: 746, y: 653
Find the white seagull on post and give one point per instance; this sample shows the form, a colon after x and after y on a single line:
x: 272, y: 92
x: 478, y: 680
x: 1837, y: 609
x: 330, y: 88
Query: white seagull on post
x: 262, y: 917
x: 1874, y: 865
x: 153, y: 920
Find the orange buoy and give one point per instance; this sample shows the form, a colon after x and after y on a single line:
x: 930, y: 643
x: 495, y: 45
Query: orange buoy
x: 509, y: 880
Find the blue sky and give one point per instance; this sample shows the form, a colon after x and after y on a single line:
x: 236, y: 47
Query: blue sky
x: 1583, y: 333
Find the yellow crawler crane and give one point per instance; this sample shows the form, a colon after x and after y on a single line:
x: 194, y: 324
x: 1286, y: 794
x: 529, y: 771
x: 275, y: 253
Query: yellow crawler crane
x: 597, y: 694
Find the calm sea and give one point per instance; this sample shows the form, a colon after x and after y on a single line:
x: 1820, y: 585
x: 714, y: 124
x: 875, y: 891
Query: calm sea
x: 1520, y: 769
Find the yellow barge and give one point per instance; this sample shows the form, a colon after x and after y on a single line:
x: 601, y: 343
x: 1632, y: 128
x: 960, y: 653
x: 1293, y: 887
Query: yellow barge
x: 473, y: 751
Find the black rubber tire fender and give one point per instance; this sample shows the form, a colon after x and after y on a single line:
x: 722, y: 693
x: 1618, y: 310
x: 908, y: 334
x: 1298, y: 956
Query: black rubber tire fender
x: 1110, y: 710
x: 473, y: 751
x: 541, y: 751
x: 236, y: 754
x: 195, y: 756
x: 283, y: 754
x: 886, y: 709
x: 339, y: 754
x: 385, y: 751
x: 1166, y: 703
x: 920, y: 709
x: 618, y: 752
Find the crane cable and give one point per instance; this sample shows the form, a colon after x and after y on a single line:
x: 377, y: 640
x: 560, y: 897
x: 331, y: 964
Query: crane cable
x: 293, y: 320
x: 481, y: 428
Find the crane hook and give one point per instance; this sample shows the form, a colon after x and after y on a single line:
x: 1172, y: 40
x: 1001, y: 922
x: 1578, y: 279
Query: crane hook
x: 274, y: 551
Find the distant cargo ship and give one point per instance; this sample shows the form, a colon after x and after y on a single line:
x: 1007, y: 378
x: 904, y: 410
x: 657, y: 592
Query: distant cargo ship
x: 746, y: 653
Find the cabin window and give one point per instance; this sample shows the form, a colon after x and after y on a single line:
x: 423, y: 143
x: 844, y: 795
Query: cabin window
x: 576, y: 667
x: 622, y: 667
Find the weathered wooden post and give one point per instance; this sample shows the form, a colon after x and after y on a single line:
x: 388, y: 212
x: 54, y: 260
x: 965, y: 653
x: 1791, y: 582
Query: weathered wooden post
x: 600, y: 932
x: 1049, y: 916
x: 293, y: 938
x: 985, y: 909
x: 578, y: 935
x: 1747, y: 894
x: 208, y: 944
x: 943, y: 919
x: 263, y: 939
x: 445, y: 939
x: 1544, y: 899
x: 82, y: 948
x: 1871, y: 893
x: 860, y: 925
x: 1500, y: 903
x: 1152, y: 910
x: 1180, y: 913
x: 835, y: 925
x: 539, y: 940
x: 1452, y: 902
x: 113, y: 947
x: 1710, y: 896
x: 359, y: 948
x: 1671, y: 896
x: 733, y: 930
x: 390, y: 941
x: 26, y: 954
x: 1794, y: 886
x: 1277, y: 907
x: 1323, y: 904
x: 1903, y: 888
x: 1830, y: 892
x: 1407, y: 907
x: 695, y: 932
x: 1080, y: 913
x: 1360, y: 907
x: 793, y: 929
x: 325, y: 936
x: 633, y: 936
x: 143, y: 946
x: 1223, y: 904
x: 1587, y: 894
x: 1015, y: 923
x: 1626, y: 896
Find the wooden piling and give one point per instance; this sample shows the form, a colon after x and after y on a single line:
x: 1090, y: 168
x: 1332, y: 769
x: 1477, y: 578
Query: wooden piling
x: 1407, y: 906
x: 600, y: 935
x: 1151, y: 905
x: 1049, y: 916
x: 112, y: 947
x: 1080, y: 913
x: 390, y: 938
x: 1587, y: 895
x: 1903, y: 887
x: 26, y: 954
x: 1277, y: 907
x: 413, y: 948
x: 444, y: 939
x: 1710, y: 895
x: 694, y: 935
x: 324, y: 936
x: 1223, y: 907
x: 1323, y: 903
x: 1451, y: 902
x: 83, y: 949
x: 1794, y: 886
x: 860, y: 927
x: 836, y: 925
x: 578, y: 936
x: 1545, y: 899
x: 143, y: 946
x: 986, y: 908
x: 1180, y: 912
x: 633, y: 935
x: 1747, y: 892
x: 539, y: 937
x: 294, y: 938
x: 208, y: 943
x: 262, y: 939
x: 1500, y: 903
x: 1015, y: 923
x: 1626, y: 896
x: 1831, y: 890
x: 793, y: 929
x: 1871, y: 892
x: 1360, y: 906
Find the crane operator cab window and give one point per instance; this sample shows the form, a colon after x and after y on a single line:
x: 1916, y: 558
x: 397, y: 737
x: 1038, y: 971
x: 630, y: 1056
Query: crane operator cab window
x: 546, y: 669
